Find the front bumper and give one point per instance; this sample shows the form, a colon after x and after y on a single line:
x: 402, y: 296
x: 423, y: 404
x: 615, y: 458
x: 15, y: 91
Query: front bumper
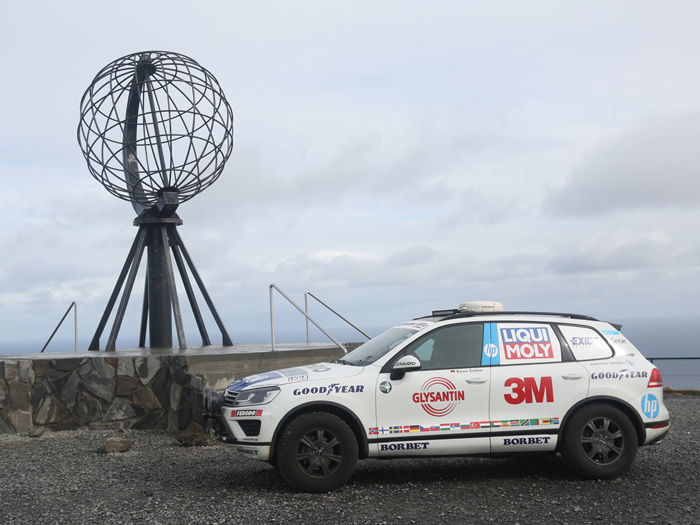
x: 218, y: 425
x: 240, y: 427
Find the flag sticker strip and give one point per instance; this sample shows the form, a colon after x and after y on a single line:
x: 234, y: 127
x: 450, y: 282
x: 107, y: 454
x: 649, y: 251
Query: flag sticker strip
x: 473, y: 425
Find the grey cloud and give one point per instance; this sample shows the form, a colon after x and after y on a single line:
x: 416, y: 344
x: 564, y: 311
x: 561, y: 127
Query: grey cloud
x: 413, y: 256
x: 617, y: 251
x: 654, y: 165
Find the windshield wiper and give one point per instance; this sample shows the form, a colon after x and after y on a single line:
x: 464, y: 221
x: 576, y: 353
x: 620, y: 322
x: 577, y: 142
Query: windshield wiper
x: 344, y: 362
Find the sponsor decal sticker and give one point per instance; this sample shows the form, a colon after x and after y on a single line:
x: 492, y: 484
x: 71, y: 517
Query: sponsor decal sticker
x: 295, y: 379
x: 419, y: 325
x: 491, y: 350
x: 385, y: 387
x: 239, y: 385
x: 650, y: 406
x: 529, y: 343
x: 527, y: 440
x: 334, y: 388
x: 438, y: 396
x: 618, y: 340
x: 246, y: 413
x: 584, y: 341
x: 403, y: 446
x: 526, y: 390
x: 611, y: 332
x: 248, y: 451
x: 622, y: 374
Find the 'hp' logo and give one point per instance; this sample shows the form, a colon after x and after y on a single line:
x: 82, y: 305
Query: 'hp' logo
x: 650, y: 406
x: 491, y: 350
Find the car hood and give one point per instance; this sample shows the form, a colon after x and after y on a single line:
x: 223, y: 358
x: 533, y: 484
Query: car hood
x: 318, y: 371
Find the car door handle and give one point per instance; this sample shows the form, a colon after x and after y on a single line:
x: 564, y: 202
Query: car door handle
x: 476, y: 380
x: 571, y: 377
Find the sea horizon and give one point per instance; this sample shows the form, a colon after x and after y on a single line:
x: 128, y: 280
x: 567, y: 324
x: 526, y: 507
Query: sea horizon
x: 653, y: 337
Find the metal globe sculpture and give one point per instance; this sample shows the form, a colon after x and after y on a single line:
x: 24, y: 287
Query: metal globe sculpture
x: 155, y: 121
x: 156, y: 130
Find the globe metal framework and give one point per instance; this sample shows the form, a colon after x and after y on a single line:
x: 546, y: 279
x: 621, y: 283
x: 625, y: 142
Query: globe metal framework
x: 156, y: 130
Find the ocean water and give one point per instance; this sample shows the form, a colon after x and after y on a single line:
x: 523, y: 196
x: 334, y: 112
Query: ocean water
x: 663, y: 337
x: 656, y: 338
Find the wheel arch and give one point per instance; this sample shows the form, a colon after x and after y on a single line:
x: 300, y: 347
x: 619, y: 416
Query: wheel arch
x: 625, y: 407
x: 348, y: 416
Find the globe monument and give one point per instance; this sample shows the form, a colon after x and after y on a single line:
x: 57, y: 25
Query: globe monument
x: 156, y: 130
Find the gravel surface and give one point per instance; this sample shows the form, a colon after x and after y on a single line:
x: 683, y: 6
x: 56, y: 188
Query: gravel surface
x: 61, y: 478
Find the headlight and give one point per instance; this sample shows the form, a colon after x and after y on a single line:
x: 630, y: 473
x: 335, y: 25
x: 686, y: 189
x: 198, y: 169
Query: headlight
x: 256, y: 396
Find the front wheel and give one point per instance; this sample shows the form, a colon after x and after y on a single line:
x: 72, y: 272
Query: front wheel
x: 600, y: 442
x: 317, y: 452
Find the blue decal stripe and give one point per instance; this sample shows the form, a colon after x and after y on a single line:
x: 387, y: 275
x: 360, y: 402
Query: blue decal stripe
x: 485, y: 359
x: 495, y: 360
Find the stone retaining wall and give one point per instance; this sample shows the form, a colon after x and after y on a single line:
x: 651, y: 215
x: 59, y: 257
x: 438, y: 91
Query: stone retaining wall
x: 140, y: 392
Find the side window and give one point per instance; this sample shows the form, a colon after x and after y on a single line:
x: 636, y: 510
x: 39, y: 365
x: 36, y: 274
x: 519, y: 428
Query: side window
x: 585, y: 342
x: 454, y: 346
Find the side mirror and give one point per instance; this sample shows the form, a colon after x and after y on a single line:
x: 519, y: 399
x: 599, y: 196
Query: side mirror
x: 405, y: 364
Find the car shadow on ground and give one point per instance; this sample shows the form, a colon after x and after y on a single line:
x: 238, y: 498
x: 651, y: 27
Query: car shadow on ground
x: 257, y: 476
x: 465, y: 469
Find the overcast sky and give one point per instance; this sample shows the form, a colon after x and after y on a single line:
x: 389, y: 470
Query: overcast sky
x: 391, y: 157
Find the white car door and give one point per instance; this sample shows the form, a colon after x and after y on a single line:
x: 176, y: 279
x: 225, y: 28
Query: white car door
x: 442, y: 408
x: 532, y: 386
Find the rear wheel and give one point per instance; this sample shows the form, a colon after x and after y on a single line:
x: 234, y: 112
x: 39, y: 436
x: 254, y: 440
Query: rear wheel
x: 600, y: 442
x: 317, y: 452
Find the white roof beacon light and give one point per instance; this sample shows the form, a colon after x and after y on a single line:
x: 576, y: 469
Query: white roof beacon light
x: 481, y: 306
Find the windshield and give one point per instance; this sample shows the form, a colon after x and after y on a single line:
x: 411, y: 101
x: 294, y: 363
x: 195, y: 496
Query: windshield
x: 375, y: 348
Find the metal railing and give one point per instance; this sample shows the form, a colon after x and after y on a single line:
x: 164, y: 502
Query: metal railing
x: 681, y: 373
x: 305, y: 313
x: 73, y: 305
x: 306, y: 306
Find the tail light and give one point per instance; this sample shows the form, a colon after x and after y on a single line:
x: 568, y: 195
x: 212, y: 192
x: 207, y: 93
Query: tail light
x: 655, y: 379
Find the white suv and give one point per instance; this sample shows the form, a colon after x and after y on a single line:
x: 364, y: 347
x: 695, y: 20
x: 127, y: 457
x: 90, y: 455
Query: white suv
x: 471, y: 381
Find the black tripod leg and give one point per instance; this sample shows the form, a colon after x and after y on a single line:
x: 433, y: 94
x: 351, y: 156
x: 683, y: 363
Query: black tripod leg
x: 190, y: 296
x: 95, y: 343
x: 119, y: 317
x: 144, y: 313
x: 173, y: 290
x: 226, y: 340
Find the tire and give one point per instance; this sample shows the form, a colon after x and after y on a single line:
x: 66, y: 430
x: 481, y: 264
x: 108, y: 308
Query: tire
x: 600, y: 442
x: 317, y: 452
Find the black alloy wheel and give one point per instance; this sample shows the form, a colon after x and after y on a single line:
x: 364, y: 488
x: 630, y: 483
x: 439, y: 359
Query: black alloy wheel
x: 600, y: 442
x: 317, y: 452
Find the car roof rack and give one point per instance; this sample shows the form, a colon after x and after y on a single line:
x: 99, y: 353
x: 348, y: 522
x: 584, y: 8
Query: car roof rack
x: 456, y: 314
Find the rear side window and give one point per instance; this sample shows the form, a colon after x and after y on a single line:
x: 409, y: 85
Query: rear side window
x: 516, y: 343
x: 585, y: 343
